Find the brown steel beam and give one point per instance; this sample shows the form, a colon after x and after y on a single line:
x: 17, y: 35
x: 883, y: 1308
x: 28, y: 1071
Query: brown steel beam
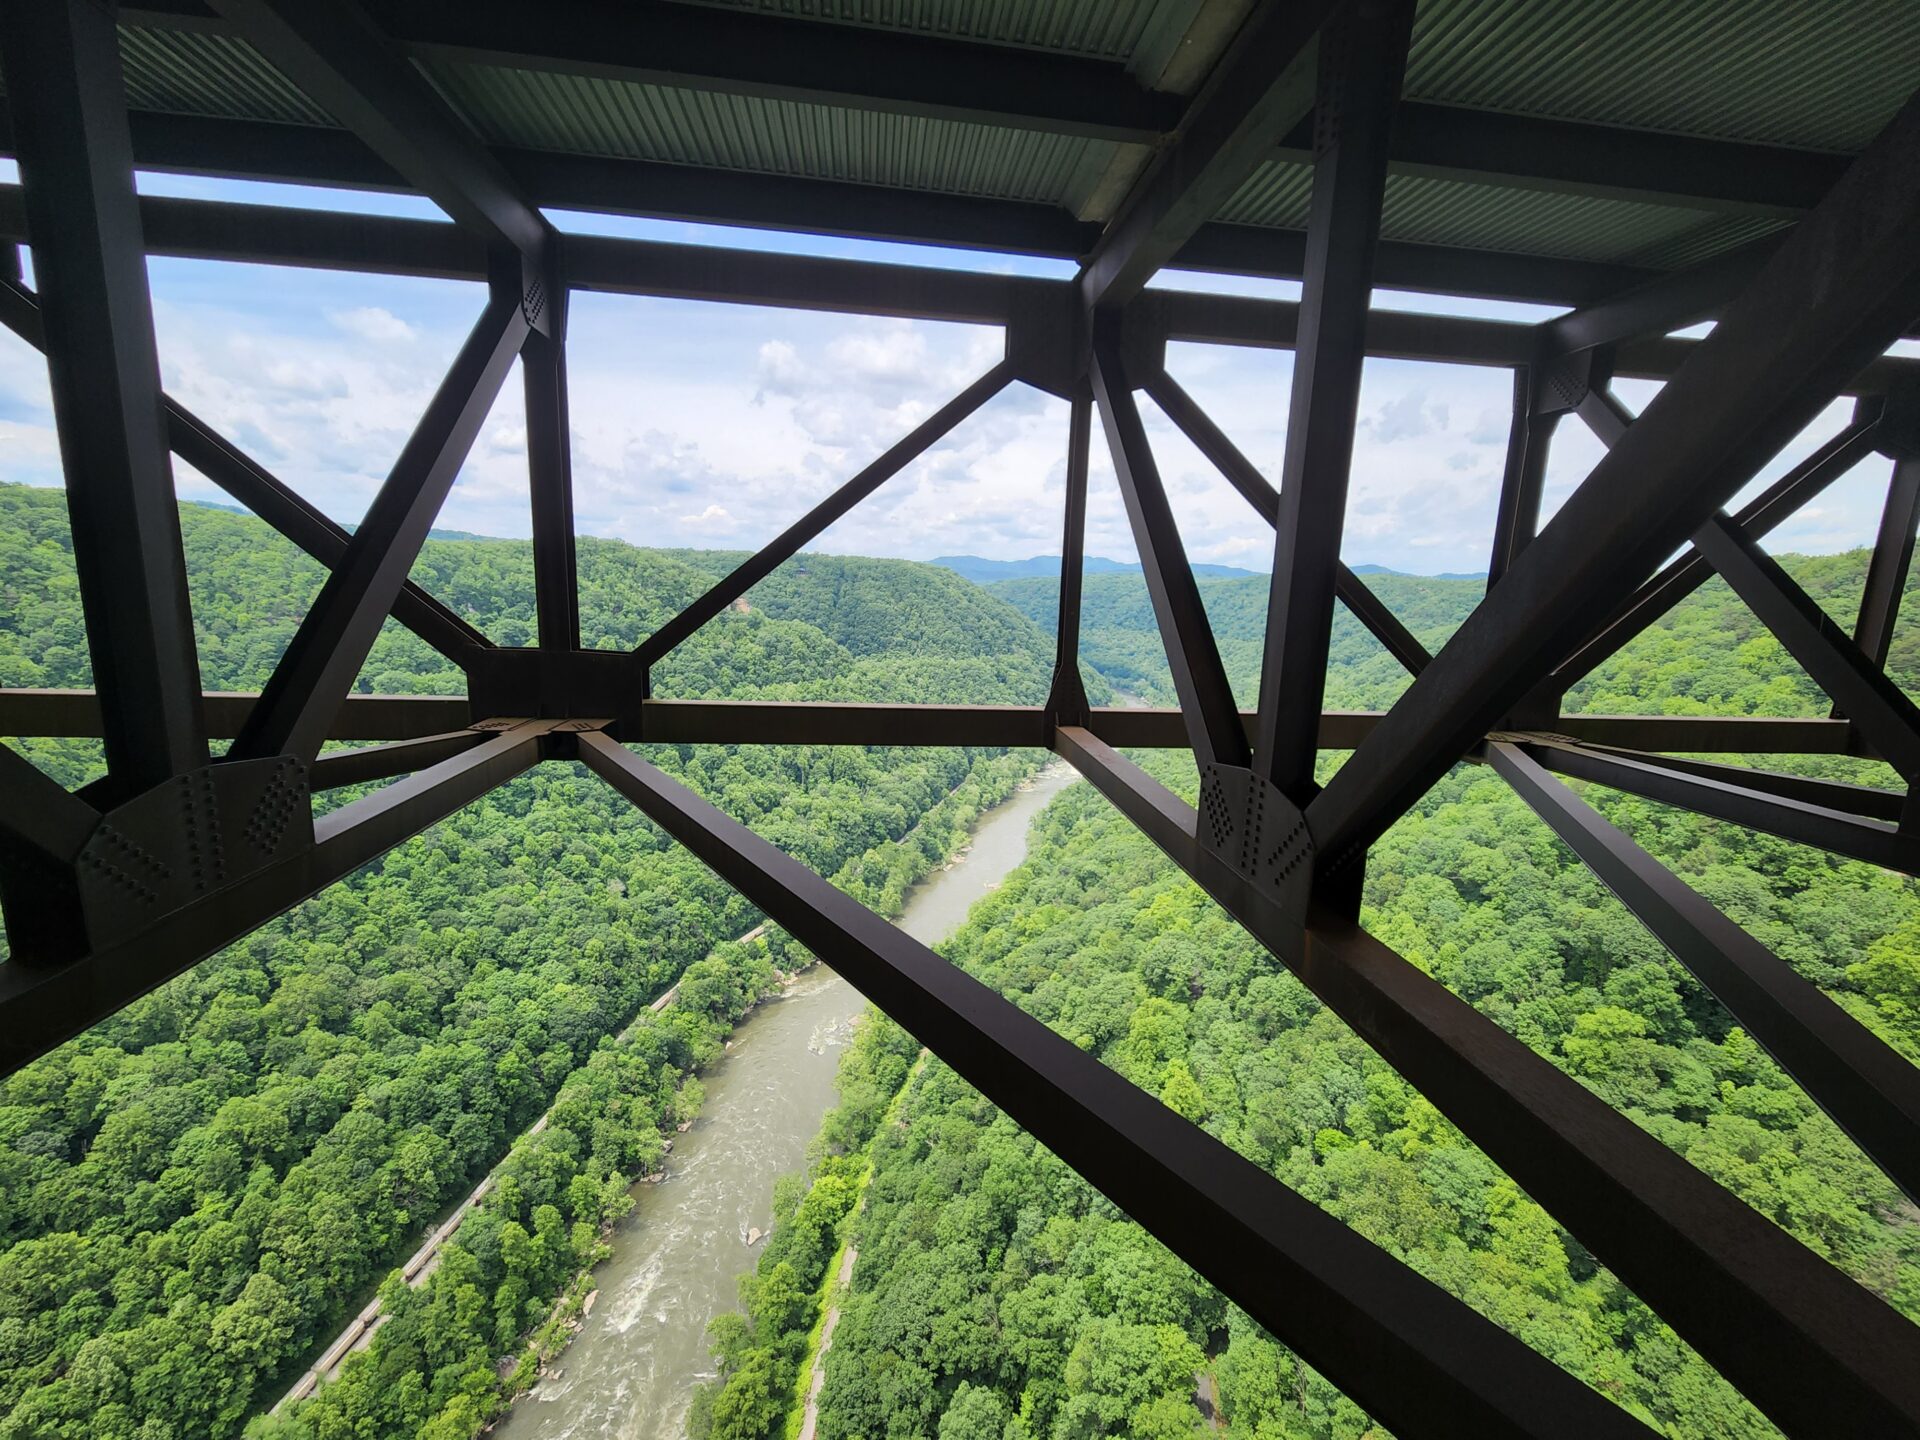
x: 382, y: 762
x: 1213, y: 442
x: 1524, y: 478
x: 324, y: 658
x: 1840, y: 795
x: 1067, y: 695
x: 76, y: 714
x: 1654, y: 307
x: 1683, y: 576
x: 1890, y: 563
x: 1398, y: 1345
x: 222, y: 462
x: 220, y: 230
x: 1835, y: 295
x: 1819, y: 1354
x: 1253, y: 97
x: 771, y: 56
x: 1806, y: 813
x: 342, y: 61
x: 1568, y: 157
x: 1200, y: 680
x: 40, y: 1006
x: 1363, y: 54
x: 66, y: 95
x: 1870, y: 1091
x: 786, y: 545
x: 1860, y: 689
x: 543, y: 371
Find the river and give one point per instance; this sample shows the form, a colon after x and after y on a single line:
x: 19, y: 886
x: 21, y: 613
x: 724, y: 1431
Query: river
x: 678, y: 1257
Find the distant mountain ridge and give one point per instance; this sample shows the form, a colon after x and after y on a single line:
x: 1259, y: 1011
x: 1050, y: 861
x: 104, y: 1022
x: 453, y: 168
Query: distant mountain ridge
x: 988, y: 572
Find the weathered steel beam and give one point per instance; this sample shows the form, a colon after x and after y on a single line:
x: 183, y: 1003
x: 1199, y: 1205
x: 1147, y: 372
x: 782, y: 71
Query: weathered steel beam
x: 783, y: 547
x: 1415, y: 1358
x: 1254, y: 96
x: 218, y: 230
x: 1524, y: 479
x: 1568, y: 157
x: 1848, y: 798
x: 324, y: 658
x: 543, y: 369
x: 1654, y: 307
x: 1199, y: 678
x: 66, y: 96
x: 1683, y: 576
x: 40, y: 1006
x: 1277, y: 254
x: 1890, y: 563
x: 1600, y: 409
x: 343, y: 61
x: 1067, y: 696
x: 1870, y: 1090
x: 1214, y: 443
x: 297, y: 154
x: 43, y: 828
x: 774, y: 57
x: 1835, y: 295
x: 382, y: 762
x: 771, y: 56
x: 75, y: 714
x: 1806, y: 814
x: 1888, y: 720
x: 1819, y: 1354
x: 1363, y: 54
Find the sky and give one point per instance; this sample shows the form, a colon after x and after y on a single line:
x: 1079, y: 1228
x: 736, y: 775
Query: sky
x: 714, y: 426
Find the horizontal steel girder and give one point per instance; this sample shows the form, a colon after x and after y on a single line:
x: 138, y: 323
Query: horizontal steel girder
x: 76, y: 714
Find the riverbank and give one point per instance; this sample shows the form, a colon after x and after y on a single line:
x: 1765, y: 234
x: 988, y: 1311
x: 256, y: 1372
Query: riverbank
x: 418, y: 1267
x: 633, y: 1365
x: 618, y: 1113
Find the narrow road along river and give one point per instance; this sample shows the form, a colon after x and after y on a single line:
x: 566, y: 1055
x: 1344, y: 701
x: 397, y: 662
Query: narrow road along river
x: 678, y: 1256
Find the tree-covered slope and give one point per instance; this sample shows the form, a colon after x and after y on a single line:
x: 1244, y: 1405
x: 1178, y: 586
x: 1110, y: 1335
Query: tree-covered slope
x: 194, y: 1193
x: 997, y: 1297
x: 1709, y: 655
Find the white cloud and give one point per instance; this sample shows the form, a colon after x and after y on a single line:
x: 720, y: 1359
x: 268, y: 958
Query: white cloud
x: 713, y: 424
x: 371, y: 322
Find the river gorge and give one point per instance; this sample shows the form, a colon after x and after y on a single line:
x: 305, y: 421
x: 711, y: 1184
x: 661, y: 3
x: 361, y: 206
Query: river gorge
x: 678, y: 1256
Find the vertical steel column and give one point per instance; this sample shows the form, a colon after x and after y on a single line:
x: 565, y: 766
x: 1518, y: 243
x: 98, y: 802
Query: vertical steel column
x: 543, y: 370
x: 62, y: 67
x: 1067, y: 699
x: 1892, y: 559
x: 1529, y: 441
x: 1362, y: 56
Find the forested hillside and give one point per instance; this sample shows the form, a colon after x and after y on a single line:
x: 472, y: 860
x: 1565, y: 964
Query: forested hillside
x: 997, y: 1297
x: 1709, y: 656
x: 195, y: 1193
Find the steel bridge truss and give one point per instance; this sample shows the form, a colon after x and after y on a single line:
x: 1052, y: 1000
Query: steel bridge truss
x: 178, y: 851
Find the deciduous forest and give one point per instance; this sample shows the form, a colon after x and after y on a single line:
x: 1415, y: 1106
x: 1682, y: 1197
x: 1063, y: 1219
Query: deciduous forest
x: 996, y: 1296
x: 195, y: 1194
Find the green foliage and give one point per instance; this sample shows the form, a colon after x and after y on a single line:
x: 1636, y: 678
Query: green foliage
x: 995, y: 1291
x: 195, y: 1194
